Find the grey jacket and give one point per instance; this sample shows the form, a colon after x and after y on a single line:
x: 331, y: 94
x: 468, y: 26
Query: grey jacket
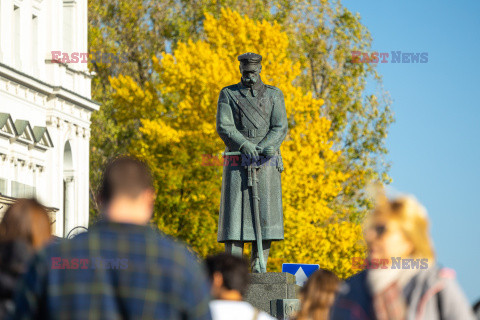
x: 432, y: 294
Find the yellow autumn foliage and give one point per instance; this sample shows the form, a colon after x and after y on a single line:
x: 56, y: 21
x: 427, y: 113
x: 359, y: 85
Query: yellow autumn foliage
x: 177, y: 127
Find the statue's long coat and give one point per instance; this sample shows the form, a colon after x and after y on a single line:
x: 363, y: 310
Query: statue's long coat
x: 258, y: 115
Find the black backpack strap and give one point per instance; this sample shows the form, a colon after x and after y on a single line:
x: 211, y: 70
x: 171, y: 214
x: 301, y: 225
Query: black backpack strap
x: 439, y: 296
x: 440, y: 306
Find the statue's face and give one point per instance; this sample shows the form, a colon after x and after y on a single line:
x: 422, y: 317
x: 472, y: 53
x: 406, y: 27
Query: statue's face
x: 250, y: 76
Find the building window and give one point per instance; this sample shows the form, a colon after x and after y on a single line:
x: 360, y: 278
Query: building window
x: 3, y: 187
x: 16, y: 37
x: 21, y: 190
x: 68, y: 23
x: 35, y: 44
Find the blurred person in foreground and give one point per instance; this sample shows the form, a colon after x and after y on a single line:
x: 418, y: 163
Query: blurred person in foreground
x: 24, y: 229
x: 398, y: 230
x: 229, y: 277
x: 122, y: 268
x: 476, y: 309
x: 317, y: 296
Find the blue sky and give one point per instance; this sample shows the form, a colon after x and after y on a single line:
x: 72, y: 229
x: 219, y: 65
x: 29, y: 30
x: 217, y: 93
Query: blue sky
x: 434, y: 144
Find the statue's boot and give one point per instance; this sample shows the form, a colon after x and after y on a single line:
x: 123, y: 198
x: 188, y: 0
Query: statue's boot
x: 255, y: 261
x: 255, y: 265
x: 234, y: 248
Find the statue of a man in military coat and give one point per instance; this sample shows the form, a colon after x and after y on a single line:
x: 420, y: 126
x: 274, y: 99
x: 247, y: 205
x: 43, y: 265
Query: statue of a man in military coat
x: 252, y: 121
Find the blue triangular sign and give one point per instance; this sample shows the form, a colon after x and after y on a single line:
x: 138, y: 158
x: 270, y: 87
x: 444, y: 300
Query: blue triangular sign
x: 300, y: 271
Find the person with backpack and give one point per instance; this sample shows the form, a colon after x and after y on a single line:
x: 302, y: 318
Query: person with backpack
x: 402, y: 279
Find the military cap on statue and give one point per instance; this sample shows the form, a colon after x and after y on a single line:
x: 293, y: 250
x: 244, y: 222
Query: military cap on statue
x: 249, y: 60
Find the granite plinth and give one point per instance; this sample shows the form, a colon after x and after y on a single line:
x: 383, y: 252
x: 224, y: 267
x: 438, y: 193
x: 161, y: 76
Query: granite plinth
x: 284, y: 309
x: 267, y: 288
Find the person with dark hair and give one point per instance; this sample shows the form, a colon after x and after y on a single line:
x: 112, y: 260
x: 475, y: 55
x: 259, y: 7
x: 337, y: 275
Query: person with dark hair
x: 229, y: 277
x: 122, y: 268
x: 25, y: 227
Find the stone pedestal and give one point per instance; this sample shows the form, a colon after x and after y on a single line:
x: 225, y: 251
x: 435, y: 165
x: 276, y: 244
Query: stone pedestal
x: 274, y: 293
x: 284, y: 309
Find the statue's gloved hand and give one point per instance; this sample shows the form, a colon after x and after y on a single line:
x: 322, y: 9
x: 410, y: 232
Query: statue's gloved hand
x: 249, y: 149
x: 268, y: 151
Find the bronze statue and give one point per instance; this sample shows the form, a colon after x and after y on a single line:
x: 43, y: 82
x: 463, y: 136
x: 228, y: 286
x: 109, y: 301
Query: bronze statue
x: 252, y: 121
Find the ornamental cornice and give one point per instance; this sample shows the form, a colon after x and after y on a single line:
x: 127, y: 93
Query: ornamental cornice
x: 16, y: 80
x: 23, y: 92
x: 68, y: 112
x: 22, y: 162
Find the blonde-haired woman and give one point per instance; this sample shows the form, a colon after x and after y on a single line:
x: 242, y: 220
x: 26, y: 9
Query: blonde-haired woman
x: 317, y: 296
x: 401, y: 280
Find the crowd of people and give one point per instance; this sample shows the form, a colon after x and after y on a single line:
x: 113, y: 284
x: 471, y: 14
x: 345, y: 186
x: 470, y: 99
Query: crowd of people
x: 123, y: 268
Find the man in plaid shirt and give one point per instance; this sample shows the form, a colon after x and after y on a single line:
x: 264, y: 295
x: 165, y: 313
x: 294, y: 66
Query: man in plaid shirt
x: 121, y: 268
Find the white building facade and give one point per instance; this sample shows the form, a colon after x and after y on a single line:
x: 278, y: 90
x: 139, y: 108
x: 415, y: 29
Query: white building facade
x: 45, y: 108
